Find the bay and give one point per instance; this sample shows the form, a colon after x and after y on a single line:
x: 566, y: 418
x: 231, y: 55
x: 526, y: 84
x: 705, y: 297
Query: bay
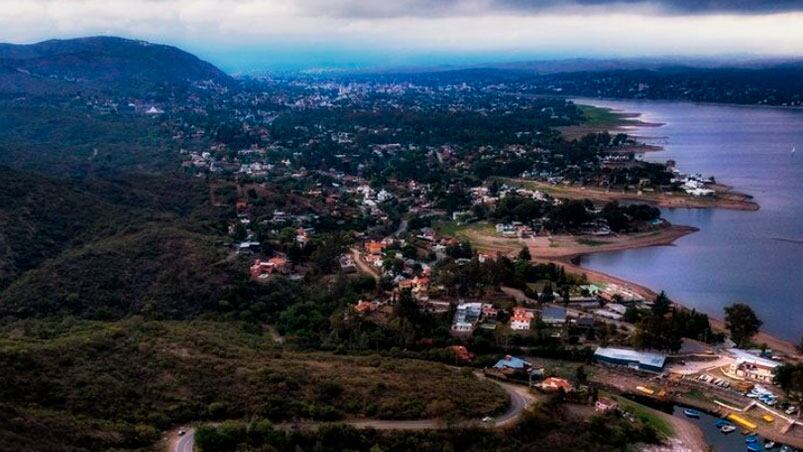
x: 754, y: 257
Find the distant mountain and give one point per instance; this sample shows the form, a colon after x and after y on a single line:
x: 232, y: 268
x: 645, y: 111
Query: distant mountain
x: 100, y: 64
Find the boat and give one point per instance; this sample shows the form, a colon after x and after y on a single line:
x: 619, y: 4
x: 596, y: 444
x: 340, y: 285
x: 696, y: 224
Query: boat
x: 751, y: 439
x: 753, y: 448
x: 722, y: 422
x: 691, y: 413
x: 793, y: 150
x: 768, y: 419
x: 727, y: 429
x: 769, y: 444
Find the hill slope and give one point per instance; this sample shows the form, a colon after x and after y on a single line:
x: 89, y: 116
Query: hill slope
x: 99, y: 64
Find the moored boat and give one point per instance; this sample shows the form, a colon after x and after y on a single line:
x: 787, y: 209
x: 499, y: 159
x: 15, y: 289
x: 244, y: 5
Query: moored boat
x: 727, y: 429
x: 722, y: 422
x: 691, y: 413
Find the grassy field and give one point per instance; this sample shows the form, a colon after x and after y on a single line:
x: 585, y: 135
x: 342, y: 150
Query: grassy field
x: 596, y: 116
x: 646, y: 415
x: 481, y: 234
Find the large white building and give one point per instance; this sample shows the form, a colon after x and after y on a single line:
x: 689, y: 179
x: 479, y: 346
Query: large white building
x: 749, y: 366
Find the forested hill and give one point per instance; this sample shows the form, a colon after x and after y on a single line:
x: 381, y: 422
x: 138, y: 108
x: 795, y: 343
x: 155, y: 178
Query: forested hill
x: 774, y: 83
x: 100, y: 64
x: 780, y: 85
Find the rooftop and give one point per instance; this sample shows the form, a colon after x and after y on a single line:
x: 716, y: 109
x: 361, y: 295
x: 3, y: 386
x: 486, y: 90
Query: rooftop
x: 511, y: 362
x: 624, y: 354
x: 744, y: 356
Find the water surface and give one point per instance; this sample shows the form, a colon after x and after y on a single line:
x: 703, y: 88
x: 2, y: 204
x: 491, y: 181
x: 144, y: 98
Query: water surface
x: 755, y: 257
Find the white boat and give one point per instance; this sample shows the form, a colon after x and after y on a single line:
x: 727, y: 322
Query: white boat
x: 727, y: 429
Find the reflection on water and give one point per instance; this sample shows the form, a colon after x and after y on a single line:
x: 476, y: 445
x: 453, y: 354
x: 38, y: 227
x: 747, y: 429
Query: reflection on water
x: 756, y: 257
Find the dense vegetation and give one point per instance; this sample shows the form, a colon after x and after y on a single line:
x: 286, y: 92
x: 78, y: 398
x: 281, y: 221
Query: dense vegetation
x: 123, y: 382
x: 546, y: 427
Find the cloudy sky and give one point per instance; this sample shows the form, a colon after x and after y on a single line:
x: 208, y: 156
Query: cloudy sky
x: 255, y: 34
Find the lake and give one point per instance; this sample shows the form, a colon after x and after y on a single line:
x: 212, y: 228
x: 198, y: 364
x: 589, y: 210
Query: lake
x: 755, y: 257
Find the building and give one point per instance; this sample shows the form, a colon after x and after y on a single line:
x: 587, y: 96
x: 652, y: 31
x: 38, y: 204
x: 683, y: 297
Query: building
x: 511, y: 365
x: 553, y: 315
x: 554, y: 384
x: 749, y: 366
x: 521, y: 319
x: 466, y: 317
x: 461, y: 353
x: 366, y: 306
x: 374, y: 247
x: 651, y: 362
x: 604, y: 404
x: 262, y: 269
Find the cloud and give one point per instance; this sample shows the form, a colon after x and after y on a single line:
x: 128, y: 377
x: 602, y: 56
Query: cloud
x: 455, y: 8
x: 383, y: 31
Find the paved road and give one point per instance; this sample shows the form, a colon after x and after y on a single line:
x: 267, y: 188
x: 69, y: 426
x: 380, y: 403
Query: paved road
x: 185, y: 443
x: 520, y: 398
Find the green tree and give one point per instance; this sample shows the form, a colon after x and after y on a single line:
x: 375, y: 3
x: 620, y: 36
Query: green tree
x: 524, y: 254
x: 580, y: 376
x: 790, y: 378
x: 662, y: 305
x: 742, y: 323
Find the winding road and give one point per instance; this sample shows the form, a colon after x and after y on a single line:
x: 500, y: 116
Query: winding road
x: 520, y: 399
x: 185, y: 443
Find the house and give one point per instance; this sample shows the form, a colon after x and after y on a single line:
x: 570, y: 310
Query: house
x: 347, y: 264
x: 374, y: 247
x: 521, y: 319
x: 461, y: 353
x: 555, y: 384
x: 262, y: 269
x: 489, y: 311
x: 604, y: 404
x: 466, y: 317
x: 366, y: 306
x: 651, y: 362
x: 511, y: 364
x: 553, y: 315
x: 749, y: 366
x: 374, y: 259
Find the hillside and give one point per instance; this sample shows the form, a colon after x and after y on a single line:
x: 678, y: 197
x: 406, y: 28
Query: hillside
x: 99, y: 386
x: 157, y: 270
x: 99, y: 64
x: 40, y: 217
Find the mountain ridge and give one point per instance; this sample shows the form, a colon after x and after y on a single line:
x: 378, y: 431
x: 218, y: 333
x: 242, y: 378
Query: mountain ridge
x: 100, y: 63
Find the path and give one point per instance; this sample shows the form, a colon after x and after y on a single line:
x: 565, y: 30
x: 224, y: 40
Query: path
x: 362, y: 265
x: 520, y: 399
x: 184, y: 443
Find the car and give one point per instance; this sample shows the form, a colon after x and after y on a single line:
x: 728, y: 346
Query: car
x: 487, y: 419
x: 790, y: 410
x: 181, y: 432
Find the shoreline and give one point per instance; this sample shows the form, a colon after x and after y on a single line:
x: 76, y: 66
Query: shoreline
x: 725, y: 197
x: 571, y: 265
x: 728, y: 199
